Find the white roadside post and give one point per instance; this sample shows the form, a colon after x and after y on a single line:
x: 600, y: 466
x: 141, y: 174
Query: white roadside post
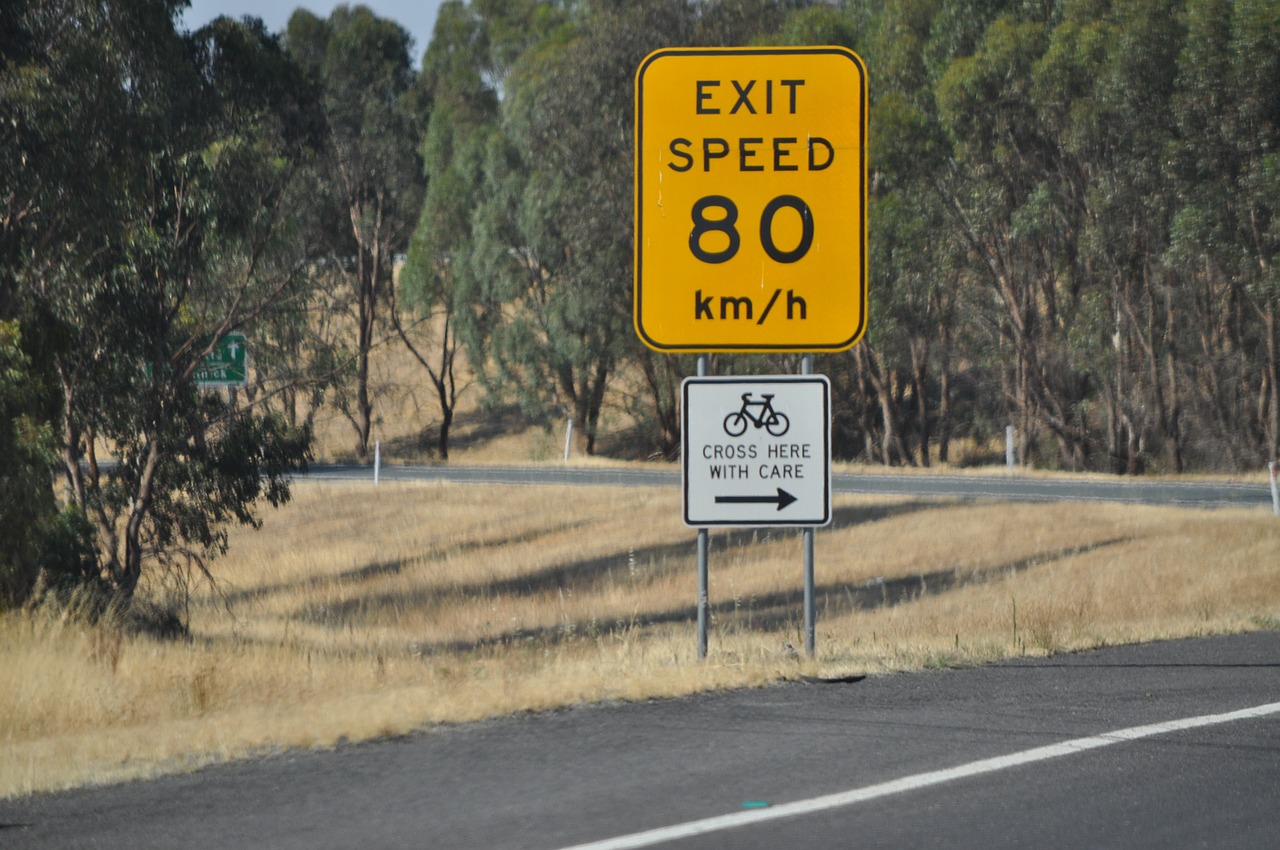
x: 1275, y: 490
x: 703, y: 540
x: 377, y: 461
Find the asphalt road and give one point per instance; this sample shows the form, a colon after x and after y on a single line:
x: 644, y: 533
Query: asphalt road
x: 1005, y: 487
x: 1058, y: 752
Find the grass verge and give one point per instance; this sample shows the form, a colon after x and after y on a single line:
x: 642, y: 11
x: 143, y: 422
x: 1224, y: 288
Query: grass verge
x: 361, y: 612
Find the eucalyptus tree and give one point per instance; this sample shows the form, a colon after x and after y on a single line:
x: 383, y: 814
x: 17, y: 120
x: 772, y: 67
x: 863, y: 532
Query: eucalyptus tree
x: 906, y: 360
x: 37, y: 162
x: 154, y: 171
x: 1006, y: 203
x: 30, y: 522
x: 894, y: 390
x: 442, y: 284
x: 556, y: 224
x: 1103, y: 90
x: 1225, y: 237
x: 370, y: 181
x: 203, y: 253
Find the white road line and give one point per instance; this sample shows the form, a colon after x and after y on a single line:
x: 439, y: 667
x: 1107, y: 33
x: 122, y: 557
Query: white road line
x: 920, y: 780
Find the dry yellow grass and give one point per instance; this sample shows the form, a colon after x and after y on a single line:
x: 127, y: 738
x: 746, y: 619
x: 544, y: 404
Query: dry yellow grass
x: 360, y: 612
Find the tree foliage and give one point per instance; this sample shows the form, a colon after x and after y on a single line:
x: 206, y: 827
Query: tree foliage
x: 147, y: 214
x: 1074, y: 221
x: 1071, y: 219
x: 368, y: 184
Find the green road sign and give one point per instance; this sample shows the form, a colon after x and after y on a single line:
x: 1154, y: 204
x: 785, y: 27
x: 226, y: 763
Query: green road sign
x: 227, y: 365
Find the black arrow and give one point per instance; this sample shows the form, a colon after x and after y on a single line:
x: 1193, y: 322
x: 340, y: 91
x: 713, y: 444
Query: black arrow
x: 782, y: 499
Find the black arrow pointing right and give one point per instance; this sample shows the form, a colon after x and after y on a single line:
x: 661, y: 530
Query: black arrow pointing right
x: 782, y: 499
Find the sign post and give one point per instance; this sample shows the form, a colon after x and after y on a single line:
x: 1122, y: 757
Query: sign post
x: 704, y: 541
x: 750, y: 222
x: 748, y: 462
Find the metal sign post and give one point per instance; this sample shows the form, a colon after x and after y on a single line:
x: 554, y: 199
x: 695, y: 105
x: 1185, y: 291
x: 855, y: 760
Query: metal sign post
x: 756, y: 451
x: 751, y: 236
x: 810, y: 610
x: 703, y: 577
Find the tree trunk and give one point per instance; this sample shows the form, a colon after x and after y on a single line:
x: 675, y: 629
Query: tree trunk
x: 595, y: 401
x: 891, y: 442
x: 1273, y: 372
x: 663, y: 397
x: 127, y: 571
x: 363, y: 414
x: 1173, y: 429
x: 944, y: 397
x: 442, y: 441
x: 919, y: 369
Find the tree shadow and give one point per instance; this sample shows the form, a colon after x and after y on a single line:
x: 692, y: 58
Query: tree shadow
x: 473, y: 430
x: 781, y: 612
x: 385, y: 568
x: 581, y: 576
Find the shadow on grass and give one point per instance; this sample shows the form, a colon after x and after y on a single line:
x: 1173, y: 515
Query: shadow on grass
x: 639, y: 564
x: 778, y: 612
x: 781, y: 612
x: 473, y: 430
x: 385, y: 568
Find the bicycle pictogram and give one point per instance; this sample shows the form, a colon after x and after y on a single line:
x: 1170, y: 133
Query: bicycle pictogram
x: 760, y: 413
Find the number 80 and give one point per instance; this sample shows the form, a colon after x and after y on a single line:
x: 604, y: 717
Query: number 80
x: 727, y: 225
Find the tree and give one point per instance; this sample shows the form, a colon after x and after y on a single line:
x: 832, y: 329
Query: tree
x: 1008, y: 204
x: 554, y: 231
x: 39, y: 539
x: 29, y: 401
x: 1073, y: 220
x: 371, y: 179
x: 434, y: 282
x: 153, y: 177
x: 1224, y: 234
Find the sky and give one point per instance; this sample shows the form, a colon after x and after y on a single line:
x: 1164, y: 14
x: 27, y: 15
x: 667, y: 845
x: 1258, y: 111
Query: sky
x: 416, y: 16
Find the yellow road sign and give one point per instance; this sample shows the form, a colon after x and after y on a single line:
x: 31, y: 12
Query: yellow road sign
x: 751, y: 194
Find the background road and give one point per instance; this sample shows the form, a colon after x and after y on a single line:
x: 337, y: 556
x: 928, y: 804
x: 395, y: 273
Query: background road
x: 582, y: 775
x: 1010, y: 487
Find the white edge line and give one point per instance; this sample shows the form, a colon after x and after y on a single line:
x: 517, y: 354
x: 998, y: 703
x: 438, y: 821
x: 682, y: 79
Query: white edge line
x: 917, y: 781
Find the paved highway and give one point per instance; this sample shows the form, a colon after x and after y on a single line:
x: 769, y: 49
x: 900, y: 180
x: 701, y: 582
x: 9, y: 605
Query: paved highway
x: 1005, y: 487
x: 1167, y: 745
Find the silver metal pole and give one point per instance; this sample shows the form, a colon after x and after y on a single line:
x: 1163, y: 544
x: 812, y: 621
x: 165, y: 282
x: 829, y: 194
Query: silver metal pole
x: 704, y: 366
x: 702, y: 593
x: 810, y: 609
